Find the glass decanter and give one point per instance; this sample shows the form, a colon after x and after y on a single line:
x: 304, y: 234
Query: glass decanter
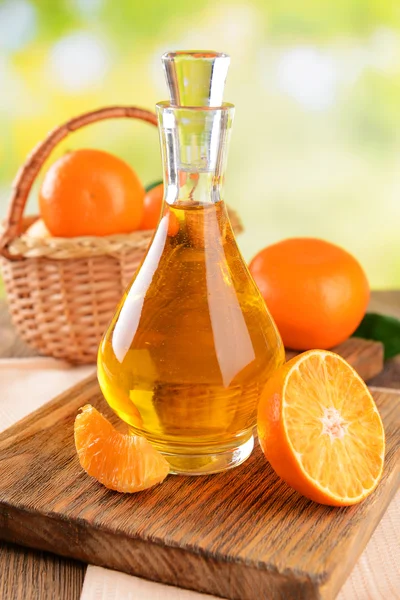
x: 192, y: 343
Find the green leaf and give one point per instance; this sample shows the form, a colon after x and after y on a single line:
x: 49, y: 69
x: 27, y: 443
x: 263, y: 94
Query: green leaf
x: 153, y: 185
x: 381, y: 329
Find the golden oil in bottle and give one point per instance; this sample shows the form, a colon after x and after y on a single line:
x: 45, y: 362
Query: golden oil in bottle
x: 192, y: 344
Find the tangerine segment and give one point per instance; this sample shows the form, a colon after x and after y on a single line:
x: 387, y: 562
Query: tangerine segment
x: 319, y: 428
x: 121, y: 462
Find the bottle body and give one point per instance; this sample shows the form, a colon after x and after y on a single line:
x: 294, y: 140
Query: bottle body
x: 191, y: 345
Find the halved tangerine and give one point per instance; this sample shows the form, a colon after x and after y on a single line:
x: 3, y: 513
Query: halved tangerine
x: 121, y: 462
x: 319, y: 428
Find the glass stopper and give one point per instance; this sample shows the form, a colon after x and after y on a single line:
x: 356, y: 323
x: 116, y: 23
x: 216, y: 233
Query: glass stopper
x: 196, y: 78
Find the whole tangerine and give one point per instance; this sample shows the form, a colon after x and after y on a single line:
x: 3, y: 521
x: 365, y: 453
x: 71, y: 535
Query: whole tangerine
x: 316, y: 291
x: 91, y: 192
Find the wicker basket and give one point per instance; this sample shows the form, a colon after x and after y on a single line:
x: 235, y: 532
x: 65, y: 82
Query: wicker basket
x: 63, y: 292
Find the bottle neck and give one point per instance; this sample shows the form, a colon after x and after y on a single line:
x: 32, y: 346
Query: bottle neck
x: 194, y: 148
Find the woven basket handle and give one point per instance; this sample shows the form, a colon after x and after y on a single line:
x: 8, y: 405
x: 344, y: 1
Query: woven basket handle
x: 27, y: 174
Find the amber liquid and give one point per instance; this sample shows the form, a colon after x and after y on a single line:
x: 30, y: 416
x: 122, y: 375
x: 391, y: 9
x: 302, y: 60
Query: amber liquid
x: 192, y: 343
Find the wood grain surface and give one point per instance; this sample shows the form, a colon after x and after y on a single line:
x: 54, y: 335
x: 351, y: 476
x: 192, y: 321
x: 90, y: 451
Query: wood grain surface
x: 11, y: 345
x: 30, y: 575
x: 389, y: 377
x: 242, y: 534
x: 365, y: 356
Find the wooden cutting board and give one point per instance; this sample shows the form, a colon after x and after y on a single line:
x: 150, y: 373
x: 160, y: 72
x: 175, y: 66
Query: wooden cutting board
x: 365, y: 356
x: 242, y: 535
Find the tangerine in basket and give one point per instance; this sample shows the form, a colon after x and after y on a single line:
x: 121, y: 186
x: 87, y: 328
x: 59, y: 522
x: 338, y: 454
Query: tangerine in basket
x: 91, y: 192
x: 152, y: 206
x: 121, y: 462
x: 153, y: 202
x: 319, y: 428
x: 316, y: 291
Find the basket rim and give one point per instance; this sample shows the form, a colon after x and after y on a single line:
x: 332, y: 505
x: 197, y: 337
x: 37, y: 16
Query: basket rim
x: 58, y: 248
x: 25, y: 246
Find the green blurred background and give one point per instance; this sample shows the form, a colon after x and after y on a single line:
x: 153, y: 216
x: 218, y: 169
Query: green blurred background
x: 316, y: 142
